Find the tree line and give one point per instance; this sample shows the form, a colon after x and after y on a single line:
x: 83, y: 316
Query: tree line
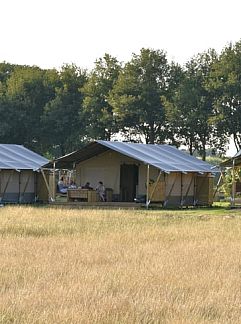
x: 147, y: 99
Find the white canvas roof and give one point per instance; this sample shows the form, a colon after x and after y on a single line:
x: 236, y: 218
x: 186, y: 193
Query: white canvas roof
x: 238, y: 154
x: 164, y: 157
x: 18, y: 157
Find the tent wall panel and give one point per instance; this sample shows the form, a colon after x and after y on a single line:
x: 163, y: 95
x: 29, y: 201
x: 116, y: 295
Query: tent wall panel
x: 10, y: 181
x: 41, y: 189
x: 104, y: 167
x: 157, y: 191
x: 16, y: 186
x: 27, y: 186
x: 204, y: 190
x: 22, y: 187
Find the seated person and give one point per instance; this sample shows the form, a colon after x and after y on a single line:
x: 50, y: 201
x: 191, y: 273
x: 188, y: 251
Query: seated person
x: 87, y: 186
x: 101, y: 190
x: 72, y: 185
x: 62, y: 188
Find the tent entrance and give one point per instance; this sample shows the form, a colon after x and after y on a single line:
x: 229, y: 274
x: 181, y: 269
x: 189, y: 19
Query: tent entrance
x: 128, y: 182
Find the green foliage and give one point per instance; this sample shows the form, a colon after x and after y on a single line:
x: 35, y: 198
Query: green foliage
x: 97, y: 111
x: 136, y: 97
x: 28, y: 89
x: 147, y: 98
x: 60, y: 121
x: 225, y: 83
x: 190, y: 110
x: 228, y: 180
x: 215, y: 160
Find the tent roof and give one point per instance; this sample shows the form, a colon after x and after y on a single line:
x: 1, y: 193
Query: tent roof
x: 18, y: 157
x: 236, y: 160
x: 164, y: 157
x: 238, y: 154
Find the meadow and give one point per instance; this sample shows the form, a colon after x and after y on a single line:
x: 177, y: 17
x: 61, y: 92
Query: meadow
x: 120, y: 266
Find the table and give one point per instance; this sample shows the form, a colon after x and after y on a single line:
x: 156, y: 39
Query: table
x: 82, y: 195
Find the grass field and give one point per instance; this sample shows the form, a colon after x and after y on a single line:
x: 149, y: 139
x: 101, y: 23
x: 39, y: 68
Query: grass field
x: 120, y: 266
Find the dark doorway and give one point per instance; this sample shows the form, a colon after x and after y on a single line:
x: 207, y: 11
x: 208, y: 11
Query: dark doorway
x: 128, y: 181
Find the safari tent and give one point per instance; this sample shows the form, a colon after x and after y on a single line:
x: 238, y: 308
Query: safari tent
x: 142, y: 172
x: 20, y: 178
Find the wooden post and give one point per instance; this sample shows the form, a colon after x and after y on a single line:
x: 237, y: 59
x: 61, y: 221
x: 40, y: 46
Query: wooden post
x: 19, y: 187
x: 147, y: 185
x: 0, y: 186
x: 218, y: 184
x: 181, y: 203
x: 54, y: 186
x: 233, y: 185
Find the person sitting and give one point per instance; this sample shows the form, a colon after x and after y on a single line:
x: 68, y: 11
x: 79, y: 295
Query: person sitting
x: 101, y: 190
x: 87, y: 186
x: 62, y: 188
x: 72, y: 185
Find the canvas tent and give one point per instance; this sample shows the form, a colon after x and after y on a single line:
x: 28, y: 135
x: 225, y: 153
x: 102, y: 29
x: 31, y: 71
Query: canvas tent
x: 20, y: 181
x: 156, y: 173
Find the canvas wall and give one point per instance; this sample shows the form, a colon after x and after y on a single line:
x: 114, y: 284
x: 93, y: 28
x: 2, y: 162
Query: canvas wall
x: 17, y: 186
x: 104, y: 167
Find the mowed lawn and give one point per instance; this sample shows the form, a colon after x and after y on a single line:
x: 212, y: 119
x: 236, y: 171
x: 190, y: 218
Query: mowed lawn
x: 120, y: 266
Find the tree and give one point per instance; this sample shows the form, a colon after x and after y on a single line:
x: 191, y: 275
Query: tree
x: 61, y: 122
x: 136, y: 96
x: 9, y: 120
x: 225, y: 82
x: 98, y: 112
x: 27, y: 91
x: 190, y: 112
x: 9, y: 126
x: 6, y: 70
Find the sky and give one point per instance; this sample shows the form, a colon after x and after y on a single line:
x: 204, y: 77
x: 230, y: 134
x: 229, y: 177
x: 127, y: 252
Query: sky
x: 50, y: 33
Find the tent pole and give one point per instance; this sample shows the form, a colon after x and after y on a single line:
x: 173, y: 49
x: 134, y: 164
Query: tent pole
x: 195, y: 190
x: 233, y: 185
x: 0, y: 185
x: 218, y: 184
x: 19, y: 187
x: 147, y: 185
x: 54, y: 186
x: 181, y: 203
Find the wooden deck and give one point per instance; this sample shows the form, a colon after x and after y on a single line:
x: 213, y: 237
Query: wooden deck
x: 96, y: 205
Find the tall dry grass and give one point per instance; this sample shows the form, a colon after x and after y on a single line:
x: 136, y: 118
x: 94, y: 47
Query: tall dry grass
x: 93, y: 266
